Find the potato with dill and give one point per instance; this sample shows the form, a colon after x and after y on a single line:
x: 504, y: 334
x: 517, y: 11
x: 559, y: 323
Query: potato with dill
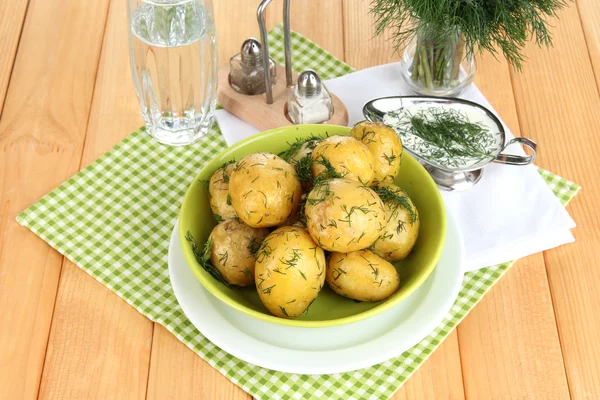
x: 232, y: 252
x: 362, y: 275
x: 402, y: 224
x: 343, y: 156
x: 218, y: 193
x: 344, y: 215
x: 300, y: 148
x: 290, y: 271
x: 384, y: 144
x: 299, y: 155
x: 264, y: 190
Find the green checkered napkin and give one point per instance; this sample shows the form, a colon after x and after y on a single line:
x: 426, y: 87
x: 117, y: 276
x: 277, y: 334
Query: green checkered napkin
x: 114, y: 220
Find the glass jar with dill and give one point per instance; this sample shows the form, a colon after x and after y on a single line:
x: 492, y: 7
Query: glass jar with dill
x: 436, y: 62
x: 444, y: 35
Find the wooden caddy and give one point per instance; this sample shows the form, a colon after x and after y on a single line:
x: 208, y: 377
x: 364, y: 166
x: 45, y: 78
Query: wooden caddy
x: 256, y: 111
x: 269, y: 110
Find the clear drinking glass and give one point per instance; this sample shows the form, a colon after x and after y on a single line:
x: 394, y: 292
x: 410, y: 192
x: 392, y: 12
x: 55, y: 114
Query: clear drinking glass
x: 173, y: 51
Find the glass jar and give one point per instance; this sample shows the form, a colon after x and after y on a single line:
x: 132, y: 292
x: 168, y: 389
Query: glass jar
x: 437, y: 63
x: 173, y: 54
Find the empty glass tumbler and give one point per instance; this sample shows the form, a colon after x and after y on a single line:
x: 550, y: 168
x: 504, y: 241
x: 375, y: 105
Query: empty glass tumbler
x: 173, y: 55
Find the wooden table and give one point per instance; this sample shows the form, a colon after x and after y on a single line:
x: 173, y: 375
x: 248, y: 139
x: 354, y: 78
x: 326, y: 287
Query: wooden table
x: 66, y: 97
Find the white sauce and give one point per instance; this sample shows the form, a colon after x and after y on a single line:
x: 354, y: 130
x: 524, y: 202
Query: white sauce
x: 424, y: 150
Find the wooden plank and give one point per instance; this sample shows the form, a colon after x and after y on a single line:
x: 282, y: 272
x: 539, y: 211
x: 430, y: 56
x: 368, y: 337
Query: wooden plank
x: 12, y: 16
x: 179, y: 373
x: 435, y: 380
x: 509, y: 345
x: 41, y: 135
x: 589, y: 12
x: 319, y: 21
x: 558, y: 104
x: 99, y: 346
x: 499, y: 340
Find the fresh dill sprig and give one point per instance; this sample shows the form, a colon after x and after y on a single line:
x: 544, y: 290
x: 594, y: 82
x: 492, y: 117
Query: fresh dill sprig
x: 329, y: 173
x: 203, y: 257
x: 396, y: 199
x: 304, y: 169
x: 492, y: 25
x: 224, y: 168
x: 311, y: 142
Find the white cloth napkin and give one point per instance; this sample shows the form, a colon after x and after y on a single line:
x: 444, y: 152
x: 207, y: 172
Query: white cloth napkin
x: 509, y: 214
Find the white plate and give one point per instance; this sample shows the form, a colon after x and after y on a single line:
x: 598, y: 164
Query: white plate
x: 322, y: 350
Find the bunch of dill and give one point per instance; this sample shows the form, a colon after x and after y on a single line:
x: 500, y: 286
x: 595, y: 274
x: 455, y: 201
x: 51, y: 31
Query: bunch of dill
x: 485, y: 25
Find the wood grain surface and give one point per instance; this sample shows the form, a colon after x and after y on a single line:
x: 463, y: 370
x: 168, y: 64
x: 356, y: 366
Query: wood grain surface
x: 66, y: 97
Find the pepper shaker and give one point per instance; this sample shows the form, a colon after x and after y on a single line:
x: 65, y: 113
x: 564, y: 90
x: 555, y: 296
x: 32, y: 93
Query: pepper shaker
x: 247, y: 72
x: 309, y: 101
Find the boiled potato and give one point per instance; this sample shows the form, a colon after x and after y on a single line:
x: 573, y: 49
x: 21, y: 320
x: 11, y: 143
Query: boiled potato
x: 218, y: 190
x: 264, y: 190
x: 362, y: 275
x: 232, y: 253
x: 385, y: 145
x: 290, y: 271
x: 346, y: 156
x: 344, y: 215
x: 402, y: 224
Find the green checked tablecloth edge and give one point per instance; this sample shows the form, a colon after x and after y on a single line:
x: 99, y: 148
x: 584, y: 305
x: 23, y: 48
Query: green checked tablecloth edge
x: 114, y: 219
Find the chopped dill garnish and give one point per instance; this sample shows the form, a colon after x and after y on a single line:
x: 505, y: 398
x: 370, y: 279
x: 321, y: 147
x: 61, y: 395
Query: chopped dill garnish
x: 218, y: 218
x: 246, y: 272
x: 283, y: 311
x: 223, y: 258
x: 254, y: 245
x: 311, y: 142
x: 203, y: 257
x: 304, y: 169
x: 339, y: 272
x: 224, y: 168
x: 206, y: 184
x: 330, y: 172
x: 351, y: 211
x: 396, y: 199
x: 390, y: 159
x: 445, y: 136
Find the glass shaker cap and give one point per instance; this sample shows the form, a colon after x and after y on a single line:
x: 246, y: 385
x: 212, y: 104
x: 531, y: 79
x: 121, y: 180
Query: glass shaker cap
x: 251, y: 51
x: 309, y: 83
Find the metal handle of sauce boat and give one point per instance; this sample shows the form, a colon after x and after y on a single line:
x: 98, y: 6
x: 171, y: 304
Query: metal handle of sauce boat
x: 518, y: 160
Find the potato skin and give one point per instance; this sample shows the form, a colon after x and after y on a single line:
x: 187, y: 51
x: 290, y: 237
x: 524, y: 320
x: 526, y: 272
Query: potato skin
x: 290, y: 271
x: 348, y: 156
x: 232, y: 251
x: 343, y: 215
x: 362, y: 275
x: 264, y: 190
x: 384, y: 144
x: 218, y: 189
x: 401, y: 229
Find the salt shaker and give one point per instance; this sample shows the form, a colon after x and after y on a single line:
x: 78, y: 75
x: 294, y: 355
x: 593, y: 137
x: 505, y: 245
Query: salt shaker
x: 309, y: 101
x: 247, y: 73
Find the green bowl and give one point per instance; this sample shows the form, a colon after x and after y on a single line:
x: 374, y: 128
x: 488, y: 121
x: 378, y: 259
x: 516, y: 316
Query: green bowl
x: 329, y: 309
